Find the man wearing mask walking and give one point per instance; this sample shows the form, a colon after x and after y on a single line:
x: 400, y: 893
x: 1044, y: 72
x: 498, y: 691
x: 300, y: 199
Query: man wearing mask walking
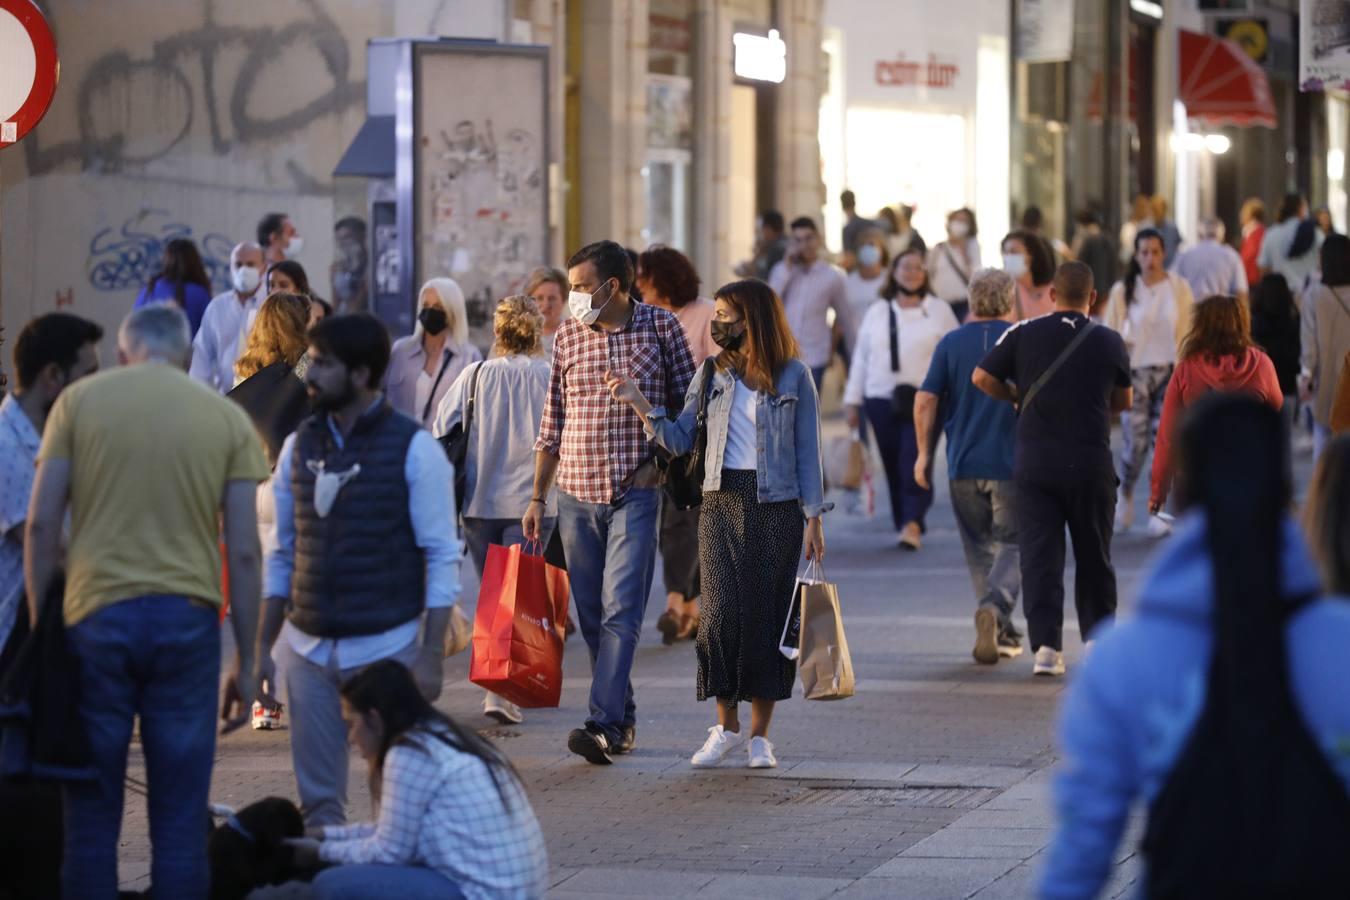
x: 227, y: 319
x: 278, y: 238
x: 366, y: 555
x: 606, y: 473
x: 809, y: 287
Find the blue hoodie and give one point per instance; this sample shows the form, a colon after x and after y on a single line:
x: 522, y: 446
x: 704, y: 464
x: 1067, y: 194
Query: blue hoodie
x: 1133, y: 705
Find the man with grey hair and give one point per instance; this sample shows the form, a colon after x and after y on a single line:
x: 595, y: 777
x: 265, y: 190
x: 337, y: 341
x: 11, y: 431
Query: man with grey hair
x: 1211, y: 266
x: 227, y: 320
x: 980, y: 433
x: 146, y: 459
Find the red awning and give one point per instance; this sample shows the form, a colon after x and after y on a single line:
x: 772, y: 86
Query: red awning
x: 1221, y: 84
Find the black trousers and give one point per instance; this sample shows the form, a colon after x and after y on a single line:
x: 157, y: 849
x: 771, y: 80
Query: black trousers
x: 679, y: 549
x: 1046, y: 505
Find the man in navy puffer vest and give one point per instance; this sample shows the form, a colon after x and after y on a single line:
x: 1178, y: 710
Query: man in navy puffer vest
x: 365, y: 545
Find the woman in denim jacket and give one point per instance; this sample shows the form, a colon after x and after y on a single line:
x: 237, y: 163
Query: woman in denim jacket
x: 763, y: 498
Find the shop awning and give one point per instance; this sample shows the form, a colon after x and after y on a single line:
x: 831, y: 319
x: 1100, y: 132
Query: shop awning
x: 371, y: 153
x: 1221, y: 84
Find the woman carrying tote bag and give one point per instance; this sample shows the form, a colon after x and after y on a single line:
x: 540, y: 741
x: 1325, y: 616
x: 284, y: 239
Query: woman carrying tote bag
x: 759, y: 509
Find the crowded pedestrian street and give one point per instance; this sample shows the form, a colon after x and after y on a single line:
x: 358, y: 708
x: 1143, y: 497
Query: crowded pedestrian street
x: 571, y: 449
x: 932, y: 781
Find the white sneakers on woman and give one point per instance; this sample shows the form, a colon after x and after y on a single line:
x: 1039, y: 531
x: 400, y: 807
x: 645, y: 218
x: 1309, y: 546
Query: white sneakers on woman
x: 720, y: 742
x: 761, y: 754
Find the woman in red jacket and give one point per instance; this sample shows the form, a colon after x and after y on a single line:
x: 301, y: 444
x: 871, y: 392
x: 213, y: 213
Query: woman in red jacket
x: 1217, y: 355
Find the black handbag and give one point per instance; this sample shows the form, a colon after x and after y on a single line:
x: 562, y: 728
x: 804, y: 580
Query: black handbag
x: 455, y: 442
x: 902, y: 398
x: 683, y: 480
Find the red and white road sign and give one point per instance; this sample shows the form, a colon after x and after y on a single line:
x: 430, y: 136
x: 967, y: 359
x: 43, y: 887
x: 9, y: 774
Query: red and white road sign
x: 28, y: 68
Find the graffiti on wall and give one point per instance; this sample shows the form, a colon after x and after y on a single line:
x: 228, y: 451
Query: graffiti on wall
x: 233, y: 83
x: 124, y: 258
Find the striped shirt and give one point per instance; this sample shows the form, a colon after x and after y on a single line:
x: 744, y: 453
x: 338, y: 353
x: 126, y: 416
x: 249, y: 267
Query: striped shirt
x: 600, y: 442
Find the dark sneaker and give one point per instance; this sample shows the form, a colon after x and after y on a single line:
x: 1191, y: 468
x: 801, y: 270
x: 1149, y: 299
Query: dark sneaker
x: 591, y: 743
x: 627, y: 741
x: 986, y: 635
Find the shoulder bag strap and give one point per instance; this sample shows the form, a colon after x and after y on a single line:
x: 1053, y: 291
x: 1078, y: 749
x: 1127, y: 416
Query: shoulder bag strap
x: 1054, y: 366
x: 895, y: 337
x: 473, y: 397
x: 947, y: 252
x: 1337, y: 294
x: 708, y: 367
x: 431, y: 398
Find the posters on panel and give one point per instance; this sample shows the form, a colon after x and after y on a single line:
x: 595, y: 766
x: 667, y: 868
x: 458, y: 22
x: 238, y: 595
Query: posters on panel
x: 1324, y: 44
x: 482, y: 175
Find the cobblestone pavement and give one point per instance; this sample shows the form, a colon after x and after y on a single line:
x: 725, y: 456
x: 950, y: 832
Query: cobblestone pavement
x: 931, y: 782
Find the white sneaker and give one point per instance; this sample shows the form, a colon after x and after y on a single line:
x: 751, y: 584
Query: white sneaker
x: 502, y: 710
x: 1124, y: 512
x: 1049, y: 661
x: 761, y: 754
x: 720, y: 742
x: 1158, y: 527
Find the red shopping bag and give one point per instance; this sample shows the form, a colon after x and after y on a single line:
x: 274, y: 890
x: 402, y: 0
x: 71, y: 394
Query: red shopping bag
x: 518, y: 628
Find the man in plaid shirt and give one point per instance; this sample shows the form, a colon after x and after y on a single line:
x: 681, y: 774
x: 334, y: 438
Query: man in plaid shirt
x: 608, y: 484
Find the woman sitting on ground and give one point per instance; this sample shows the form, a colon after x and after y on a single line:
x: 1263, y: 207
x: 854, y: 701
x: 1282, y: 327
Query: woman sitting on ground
x: 454, y: 821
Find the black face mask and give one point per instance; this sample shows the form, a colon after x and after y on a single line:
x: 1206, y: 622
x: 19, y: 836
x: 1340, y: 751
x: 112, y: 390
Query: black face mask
x: 433, y: 319
x: 907, y: 292
x: 725, y: 338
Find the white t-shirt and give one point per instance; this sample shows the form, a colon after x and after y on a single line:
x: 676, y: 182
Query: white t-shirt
x: 1150, y: 329
x: 918, y: 330
x: 741, y: 452
x: 422, y: 393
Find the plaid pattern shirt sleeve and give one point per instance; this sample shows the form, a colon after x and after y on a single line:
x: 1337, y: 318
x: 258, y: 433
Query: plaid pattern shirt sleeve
x: 679, y: 362
x: 410, y: 777
x: 551, y: 424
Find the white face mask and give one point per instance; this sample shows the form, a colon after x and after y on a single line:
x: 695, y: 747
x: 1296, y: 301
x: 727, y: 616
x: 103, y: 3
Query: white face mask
x: 328, y: 484
x: 958, y: 228
x: 1015, y: 264
x: 293, y: 249
x: 246, y: 279
x: 869, y: 255
x: 579, y: 303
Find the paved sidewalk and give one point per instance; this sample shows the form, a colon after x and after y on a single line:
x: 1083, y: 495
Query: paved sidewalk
x: 932, y: 782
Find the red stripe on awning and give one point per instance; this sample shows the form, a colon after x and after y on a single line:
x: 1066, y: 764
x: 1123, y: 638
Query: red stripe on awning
x: 1221, y: 84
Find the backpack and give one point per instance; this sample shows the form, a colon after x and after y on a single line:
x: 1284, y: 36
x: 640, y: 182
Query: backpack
x: 1252, y: 808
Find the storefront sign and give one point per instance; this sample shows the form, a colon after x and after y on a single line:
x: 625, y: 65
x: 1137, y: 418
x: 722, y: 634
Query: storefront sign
x: 1324, y: 44
x: 760, y: 58
x: 900, y: 72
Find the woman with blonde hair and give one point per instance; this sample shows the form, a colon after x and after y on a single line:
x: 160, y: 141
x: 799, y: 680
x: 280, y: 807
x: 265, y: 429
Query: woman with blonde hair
x: 761, y: 507
x: 508, y: 393
x: 423, y: 365
x: 269, y: 376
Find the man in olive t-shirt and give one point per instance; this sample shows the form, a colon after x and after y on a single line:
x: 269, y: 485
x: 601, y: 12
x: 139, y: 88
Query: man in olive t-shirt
x: 147, y: 459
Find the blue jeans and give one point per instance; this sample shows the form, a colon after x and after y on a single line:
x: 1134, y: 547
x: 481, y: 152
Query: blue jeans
x: 361, y: 882
x: 611, y: 557
x: 899, y: 448
x: 157, y: 657
x: 986, y: 516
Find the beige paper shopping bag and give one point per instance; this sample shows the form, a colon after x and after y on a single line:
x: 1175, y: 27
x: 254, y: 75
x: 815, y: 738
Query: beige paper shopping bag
x: 825, y: 665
